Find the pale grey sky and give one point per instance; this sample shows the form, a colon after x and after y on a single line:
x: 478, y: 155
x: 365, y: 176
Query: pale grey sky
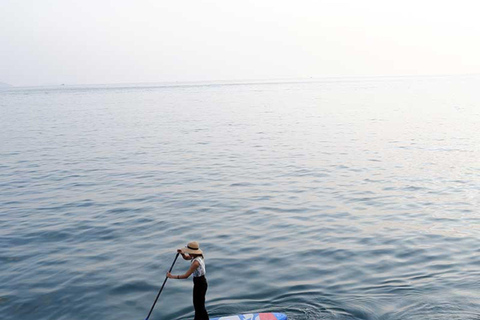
x: 85, y: 41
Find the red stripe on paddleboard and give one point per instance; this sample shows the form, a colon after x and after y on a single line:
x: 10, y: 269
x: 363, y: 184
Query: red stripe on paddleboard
x: 267, y: 316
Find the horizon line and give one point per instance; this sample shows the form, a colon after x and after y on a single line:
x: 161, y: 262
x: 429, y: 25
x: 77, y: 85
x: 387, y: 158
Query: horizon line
x: 248, y: 81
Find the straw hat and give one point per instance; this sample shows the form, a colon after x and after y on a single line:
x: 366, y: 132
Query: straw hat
x: 192, y: 247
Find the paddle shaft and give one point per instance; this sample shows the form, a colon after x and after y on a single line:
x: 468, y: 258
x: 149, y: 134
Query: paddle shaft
x: 163, y: 285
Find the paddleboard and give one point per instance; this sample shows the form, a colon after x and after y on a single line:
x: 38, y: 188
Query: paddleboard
x: 255, y: 316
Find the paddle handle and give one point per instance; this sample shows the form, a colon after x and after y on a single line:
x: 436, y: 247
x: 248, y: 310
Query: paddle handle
x: 163, y: 285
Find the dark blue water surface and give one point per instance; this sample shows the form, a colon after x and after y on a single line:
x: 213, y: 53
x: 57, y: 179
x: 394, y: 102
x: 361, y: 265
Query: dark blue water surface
x: 335, y: 199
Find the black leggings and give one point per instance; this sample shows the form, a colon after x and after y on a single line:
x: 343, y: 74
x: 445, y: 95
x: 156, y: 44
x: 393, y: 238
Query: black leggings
x: 200, y: 286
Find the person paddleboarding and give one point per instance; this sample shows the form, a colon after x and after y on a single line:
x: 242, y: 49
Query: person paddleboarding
x: 193, y: 253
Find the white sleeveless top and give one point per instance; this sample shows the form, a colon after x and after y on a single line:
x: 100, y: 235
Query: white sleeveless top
x: 200, y: 271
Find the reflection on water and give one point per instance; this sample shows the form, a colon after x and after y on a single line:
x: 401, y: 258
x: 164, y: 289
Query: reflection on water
x: 353, y: 199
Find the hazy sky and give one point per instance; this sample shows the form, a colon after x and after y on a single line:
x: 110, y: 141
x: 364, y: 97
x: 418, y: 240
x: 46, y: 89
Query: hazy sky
x: 75, y: 42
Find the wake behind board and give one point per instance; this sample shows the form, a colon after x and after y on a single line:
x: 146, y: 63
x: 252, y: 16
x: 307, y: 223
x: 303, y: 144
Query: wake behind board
x: 254, y: 316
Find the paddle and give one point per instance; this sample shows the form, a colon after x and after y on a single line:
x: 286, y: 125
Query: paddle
x: 163, y: 285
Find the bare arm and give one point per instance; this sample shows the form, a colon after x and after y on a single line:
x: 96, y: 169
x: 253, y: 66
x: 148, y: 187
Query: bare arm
x: 187, y: 274
x: 184, y: 256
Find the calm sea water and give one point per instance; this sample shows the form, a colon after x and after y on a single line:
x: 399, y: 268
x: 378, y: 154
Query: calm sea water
x: 336, y: 199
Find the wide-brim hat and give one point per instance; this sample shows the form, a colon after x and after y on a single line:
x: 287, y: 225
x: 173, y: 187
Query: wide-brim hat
x: 192, y: 247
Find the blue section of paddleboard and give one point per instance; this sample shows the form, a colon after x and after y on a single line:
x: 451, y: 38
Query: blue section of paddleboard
x: 255, y: 316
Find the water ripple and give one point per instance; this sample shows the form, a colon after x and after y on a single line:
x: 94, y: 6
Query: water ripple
x: 322, y: 200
